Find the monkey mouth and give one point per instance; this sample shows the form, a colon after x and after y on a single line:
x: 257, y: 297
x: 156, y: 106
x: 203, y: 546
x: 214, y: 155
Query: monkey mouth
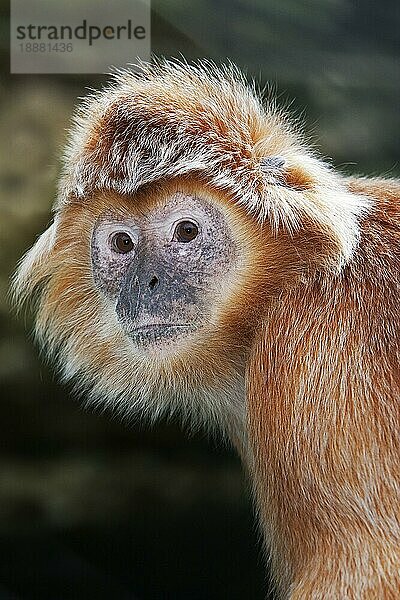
x: 151, y: 333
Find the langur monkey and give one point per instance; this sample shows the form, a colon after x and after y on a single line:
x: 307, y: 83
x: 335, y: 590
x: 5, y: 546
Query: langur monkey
x: 204, y: 261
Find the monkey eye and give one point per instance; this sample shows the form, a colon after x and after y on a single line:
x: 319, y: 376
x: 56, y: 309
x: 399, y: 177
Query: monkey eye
x: 122, y: 242
x: 186, y: 231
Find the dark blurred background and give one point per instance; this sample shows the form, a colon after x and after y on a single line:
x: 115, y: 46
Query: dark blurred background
x: 90, y: 507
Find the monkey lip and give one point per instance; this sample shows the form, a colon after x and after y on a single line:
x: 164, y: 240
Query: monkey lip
x: 154, y: 331
x: 150, y: 326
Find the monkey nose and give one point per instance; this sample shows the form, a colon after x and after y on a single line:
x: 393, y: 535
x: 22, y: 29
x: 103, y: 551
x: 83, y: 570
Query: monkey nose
x: 153, y: 283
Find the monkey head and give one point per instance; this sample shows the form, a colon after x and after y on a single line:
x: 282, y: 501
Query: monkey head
x: 185, y: 207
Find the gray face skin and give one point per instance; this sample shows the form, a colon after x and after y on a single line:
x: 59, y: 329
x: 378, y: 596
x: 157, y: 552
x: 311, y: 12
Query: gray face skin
x: 163, y: 269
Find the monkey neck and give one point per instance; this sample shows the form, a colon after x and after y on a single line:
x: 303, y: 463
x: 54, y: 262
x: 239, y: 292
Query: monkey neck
x: 324, y: 461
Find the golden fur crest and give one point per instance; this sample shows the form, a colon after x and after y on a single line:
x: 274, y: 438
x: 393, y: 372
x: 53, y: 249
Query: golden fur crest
x: 172, y: 119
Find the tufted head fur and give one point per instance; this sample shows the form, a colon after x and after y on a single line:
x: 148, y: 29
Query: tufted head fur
x: 170, y: 119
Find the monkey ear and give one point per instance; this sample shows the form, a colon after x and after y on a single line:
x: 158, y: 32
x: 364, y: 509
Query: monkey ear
x: 272, y: 164
x: 34, y: 267
x: 300, y: 191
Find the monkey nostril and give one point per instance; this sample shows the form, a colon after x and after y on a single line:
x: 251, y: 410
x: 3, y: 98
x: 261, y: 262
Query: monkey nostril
x: 153, y: 282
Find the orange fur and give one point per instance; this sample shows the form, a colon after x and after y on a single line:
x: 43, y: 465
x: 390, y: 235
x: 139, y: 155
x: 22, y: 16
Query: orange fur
x: 323, y: 393
x: 300, y: 364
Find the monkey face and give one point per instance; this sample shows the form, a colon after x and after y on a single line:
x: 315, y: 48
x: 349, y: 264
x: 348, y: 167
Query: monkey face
x: 141, y: 298
x: 163, y: 268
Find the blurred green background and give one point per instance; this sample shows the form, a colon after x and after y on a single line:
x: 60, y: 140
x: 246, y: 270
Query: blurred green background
x: 88, y: 506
